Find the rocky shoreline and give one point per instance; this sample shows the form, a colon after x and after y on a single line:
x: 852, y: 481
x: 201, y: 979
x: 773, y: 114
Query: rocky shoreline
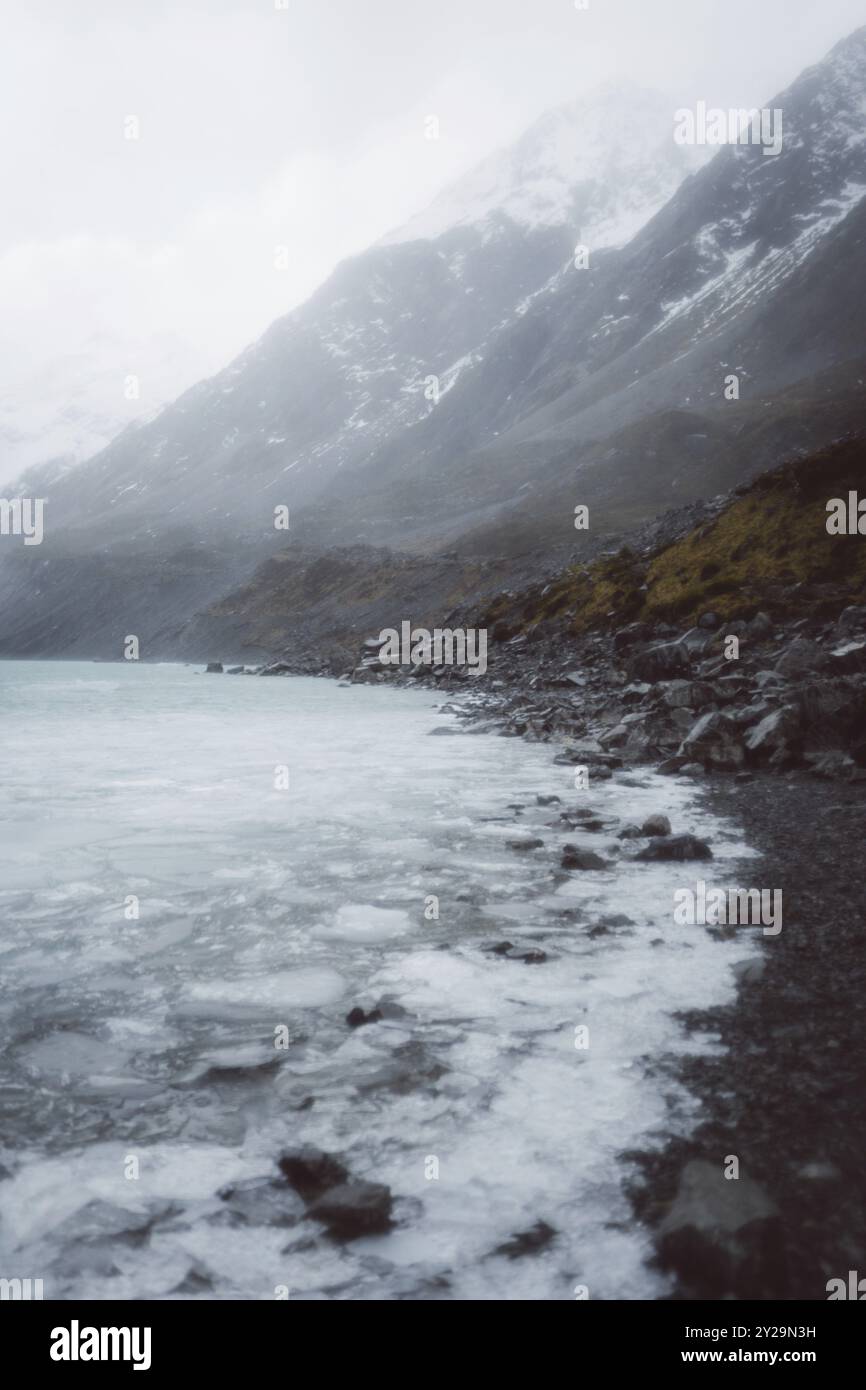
x: 772, y: 734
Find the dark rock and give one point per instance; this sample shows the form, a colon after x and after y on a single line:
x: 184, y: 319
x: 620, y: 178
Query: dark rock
x: 656, y: 825
x: 676, y: 847
x: 834, y: 764
x: 575, y: 858
x: 522, y: 845
x: 354, y: 1209
x: 721, y: 1236
x: 630, y: 832
x: 696, y: 641
x: 714, y: 741
x: 214, y: 668
x: 776, y: 737
x: 529, y: 955
x: 710, y: 621
x: 660, y: 663
x: 851, y: 656
x: 547, y: 800
x: 613, y: 921
x: 801, y: 656
x: 311, y: 1171
x: 356, y: 1018
x: 852, y: 619
x: 538, y: 1237
x: 749, y: 972
x: 633, y: 694
x: 628, y: 636
x: 760, y: 627
x: 686, y: 694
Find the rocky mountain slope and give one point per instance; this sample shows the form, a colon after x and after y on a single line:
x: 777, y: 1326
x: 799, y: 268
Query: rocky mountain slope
x: 464, y: 392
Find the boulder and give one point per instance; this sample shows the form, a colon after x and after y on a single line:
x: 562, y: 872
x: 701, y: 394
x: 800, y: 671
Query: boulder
x: 836, y: 765
x: 660, y: 663
x: 776, y: 738
x: 851, y: 656
x: 852, y: 619
x: 628, y: 636
x: 214, y: 668
x: 686, y: 694
x: 633, y: 694
x: 722, y: 1237
x: 761, y: 627
x: 714, y: 741
x: 656, y: 825
x: 696, y: 640
x: 800, y: 656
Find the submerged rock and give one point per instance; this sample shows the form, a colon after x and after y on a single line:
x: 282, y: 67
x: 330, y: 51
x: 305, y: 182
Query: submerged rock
x: 528, y: 955
x: 311, y: 1171
x: 538, y: 1237
x: 354, y: 1209
x: 675, y: 847
x: 356, y: 1018
x: 575, y: 858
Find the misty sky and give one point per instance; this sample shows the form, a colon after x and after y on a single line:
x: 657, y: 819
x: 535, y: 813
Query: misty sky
x: 302, y: 127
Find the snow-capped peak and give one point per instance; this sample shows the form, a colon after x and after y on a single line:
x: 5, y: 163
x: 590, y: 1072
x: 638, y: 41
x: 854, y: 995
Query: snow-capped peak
x: 600, y: 166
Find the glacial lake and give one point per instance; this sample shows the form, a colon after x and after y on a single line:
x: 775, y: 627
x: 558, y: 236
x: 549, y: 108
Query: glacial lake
x: 201, y: 875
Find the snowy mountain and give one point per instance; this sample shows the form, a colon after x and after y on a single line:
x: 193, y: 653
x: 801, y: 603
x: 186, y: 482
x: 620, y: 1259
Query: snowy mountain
x: 466, y: 388
x: 599, y: 167
x: 76, y: 403
x: 383, y: 342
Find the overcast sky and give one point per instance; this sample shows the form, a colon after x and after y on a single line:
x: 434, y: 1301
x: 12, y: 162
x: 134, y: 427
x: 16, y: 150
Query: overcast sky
x: 300, y: 126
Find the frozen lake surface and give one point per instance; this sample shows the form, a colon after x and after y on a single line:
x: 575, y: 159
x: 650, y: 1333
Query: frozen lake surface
x: 148, y: 1043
